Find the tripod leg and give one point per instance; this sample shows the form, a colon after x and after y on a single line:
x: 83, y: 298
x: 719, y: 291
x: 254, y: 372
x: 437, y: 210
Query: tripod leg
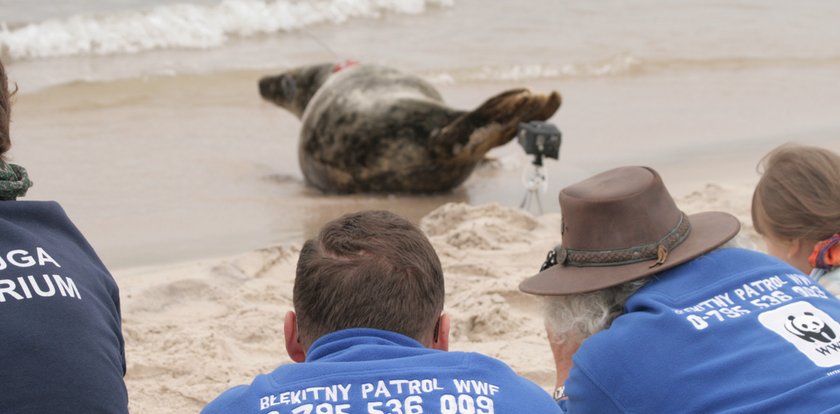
x: 532, y: 196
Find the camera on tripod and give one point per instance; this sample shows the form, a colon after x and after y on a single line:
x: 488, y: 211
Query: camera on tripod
x: 540, y: 139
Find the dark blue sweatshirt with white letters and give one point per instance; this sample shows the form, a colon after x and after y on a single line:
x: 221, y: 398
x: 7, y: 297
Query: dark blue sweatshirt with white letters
x: 61, y: 344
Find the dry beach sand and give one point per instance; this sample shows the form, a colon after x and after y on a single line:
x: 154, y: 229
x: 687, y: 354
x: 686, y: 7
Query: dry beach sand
x: 193, y: 330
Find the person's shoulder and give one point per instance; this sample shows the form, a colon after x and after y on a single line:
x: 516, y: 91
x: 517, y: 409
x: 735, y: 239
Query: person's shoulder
x: 36, y: 214
x: 230, y: 401
x: 689, y: 281
x: 240, y: 399
x: 482, y: 362
x: 236, y: 399
x: 486, y: 369
x: 738, y: 257
x: 33, y: 206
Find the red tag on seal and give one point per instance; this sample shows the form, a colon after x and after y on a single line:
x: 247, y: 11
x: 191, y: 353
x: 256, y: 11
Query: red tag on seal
x: 344, y: 65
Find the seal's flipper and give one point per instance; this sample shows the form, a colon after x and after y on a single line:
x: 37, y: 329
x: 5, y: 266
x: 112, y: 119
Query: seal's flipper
x: 494, y: 123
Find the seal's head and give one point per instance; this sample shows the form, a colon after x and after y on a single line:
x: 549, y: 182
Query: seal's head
x: 293, y: 89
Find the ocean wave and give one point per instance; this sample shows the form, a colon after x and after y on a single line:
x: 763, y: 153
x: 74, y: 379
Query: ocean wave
x: 622, y: 65
x: 188, y: 25
x: 616, y: 66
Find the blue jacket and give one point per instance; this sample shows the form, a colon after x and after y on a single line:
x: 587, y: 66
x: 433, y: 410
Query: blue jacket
x: 377, y: 372
x: 733, y: 331
x: 61, y: 343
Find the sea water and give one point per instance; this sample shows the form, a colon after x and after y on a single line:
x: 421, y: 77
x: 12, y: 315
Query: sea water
x: 447, y: 40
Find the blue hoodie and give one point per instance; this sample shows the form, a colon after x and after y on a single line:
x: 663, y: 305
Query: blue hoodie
x: 62, y: 345
x: 733, y: 331
x: 377, y: 372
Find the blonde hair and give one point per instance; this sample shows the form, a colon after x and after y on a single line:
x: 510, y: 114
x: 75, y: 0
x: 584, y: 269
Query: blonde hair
x: 798, y: 195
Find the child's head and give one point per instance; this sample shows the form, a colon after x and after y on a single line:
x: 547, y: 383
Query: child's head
x: 5, y: 110
x: 797, y: 201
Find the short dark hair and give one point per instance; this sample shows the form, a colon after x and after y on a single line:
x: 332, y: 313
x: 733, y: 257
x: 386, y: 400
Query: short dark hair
x: 371, y: 269
x: 5, y: 112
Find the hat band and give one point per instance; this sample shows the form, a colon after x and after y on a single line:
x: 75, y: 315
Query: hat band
x: 594, y: 258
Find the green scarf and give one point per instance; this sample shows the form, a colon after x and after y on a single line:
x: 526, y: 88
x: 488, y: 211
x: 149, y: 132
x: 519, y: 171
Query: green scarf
x: 13, y: 181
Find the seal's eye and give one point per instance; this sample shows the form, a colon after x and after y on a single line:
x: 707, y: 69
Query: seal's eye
x: 288, y: 85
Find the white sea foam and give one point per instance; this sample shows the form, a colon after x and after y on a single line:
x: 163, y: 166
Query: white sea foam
x: 616, y: 66
x: 188, y: 25
x: 619, y: 65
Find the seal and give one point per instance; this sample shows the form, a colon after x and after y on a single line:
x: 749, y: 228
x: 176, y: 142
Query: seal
x: 371, y: 128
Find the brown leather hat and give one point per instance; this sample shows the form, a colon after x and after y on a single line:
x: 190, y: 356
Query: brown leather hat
x: 622, y: 225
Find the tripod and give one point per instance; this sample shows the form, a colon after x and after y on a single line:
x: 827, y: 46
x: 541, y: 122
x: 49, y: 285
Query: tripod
x: 535, y: 181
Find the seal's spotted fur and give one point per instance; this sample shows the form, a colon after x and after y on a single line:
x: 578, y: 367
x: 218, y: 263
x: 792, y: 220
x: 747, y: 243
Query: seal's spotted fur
x: 370, y: 128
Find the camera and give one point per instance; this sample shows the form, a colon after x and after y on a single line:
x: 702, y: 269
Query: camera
x: 540, y: 139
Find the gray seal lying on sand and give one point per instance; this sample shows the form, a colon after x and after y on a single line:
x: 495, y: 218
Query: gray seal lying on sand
x: 370, y: 128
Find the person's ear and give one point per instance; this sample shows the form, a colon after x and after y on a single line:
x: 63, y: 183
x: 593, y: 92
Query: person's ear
x: 441, y: 335
x: 290, y: 331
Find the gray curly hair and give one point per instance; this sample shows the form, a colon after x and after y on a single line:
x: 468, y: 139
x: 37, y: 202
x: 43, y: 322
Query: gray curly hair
x: 582, y: 315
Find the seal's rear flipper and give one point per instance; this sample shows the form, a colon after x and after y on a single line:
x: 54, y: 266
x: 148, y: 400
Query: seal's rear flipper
x: 494, y: 123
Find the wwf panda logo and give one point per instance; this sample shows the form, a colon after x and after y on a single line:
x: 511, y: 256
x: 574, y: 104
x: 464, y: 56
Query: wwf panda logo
x: 808, y: 327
